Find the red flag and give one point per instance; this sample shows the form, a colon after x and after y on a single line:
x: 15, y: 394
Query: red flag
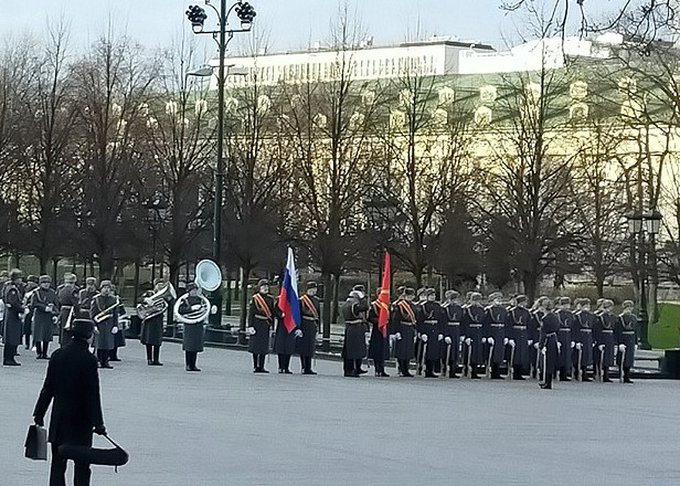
x: 384, y: 299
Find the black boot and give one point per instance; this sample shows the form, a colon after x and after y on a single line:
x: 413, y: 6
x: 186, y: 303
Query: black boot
x: 114, y: 355
x: 380, y: 369
x: 348, y: 369
x: 256, y: 363
x: 429, y: 369
x: 307, y: 366
x: 405, y: 371
x: 262, y: 359
x: 157, y: 356
x: 358, y: 368
x: 605, y: 377
x: 547, y: 385
x: 452, y: 370
x: 517, y: 373
x: 584, y: 374
x: 626, y: 376
x: 495, y: 372
x: 149, y: 355
x: 187, y: 360
x: 563, y: 375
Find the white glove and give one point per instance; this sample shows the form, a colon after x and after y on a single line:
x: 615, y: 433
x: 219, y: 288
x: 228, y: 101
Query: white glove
x: 579, y: 346
x: 367, y: 337
x: 398, y: 336
x: 573, y: 344
x: 196, y: 307
x: 462, y: 339
x: 147, y: 301
x: 49, y: 308
x: 544, y: 351
x: 530, y: 342
x: 447, y: 340
x: 601, y: 347
x: 490, y: 341
x: 536, y: 345
x: 424, y: 337
x: 298, y: 333
x: 505, y: 341
x: 114, y: 330
x: 511, y: 342
x: 55, y: 319
x: 213, y: 310
x: 559, y: 345
x: 468, y: 341
x: 440, y: 337
x: 483, y: 340
x: 251, y: 331
x: 622, y: 347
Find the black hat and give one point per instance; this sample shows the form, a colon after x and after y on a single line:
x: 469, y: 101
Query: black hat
x: 44, y: 279
x: 82, y: 328
x: 521, y: 299
x: 409, y: 291
x: 32, y: 278
x: 430, y: 292
x: 359, y: 288
x: 262, y: 282
x: 311, y: 285
x: 192, y: 286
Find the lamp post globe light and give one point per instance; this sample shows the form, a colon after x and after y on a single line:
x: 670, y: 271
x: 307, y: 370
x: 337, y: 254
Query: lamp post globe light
x: 197, y: 16
x: 639, y: 224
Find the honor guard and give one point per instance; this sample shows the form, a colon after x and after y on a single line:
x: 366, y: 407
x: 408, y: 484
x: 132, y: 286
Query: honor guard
x: 12, y: 296
x: 262, y: 314
x: 550, y: 325
x: 565, y: 338
x: 626, y: 339
x: 45, y: 309
x: 605, y: 342
x: 310, y: 308
x: 85, y: 297
x: 354, y: 312
x: 67, y: 293
x: 453, y: 317
x: 519, y: 342
x: 495, y: 318
x: 29, y: 289
x: 538, y: 311
x: 104, y: 313
x: 430, y: 329
x: 473, y: 322
x: 403, y: 323
x: 583, y: 336
x: 379, y: 343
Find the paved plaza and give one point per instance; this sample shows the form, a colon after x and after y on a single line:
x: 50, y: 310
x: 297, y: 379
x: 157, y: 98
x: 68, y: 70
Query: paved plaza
x: 226, y: 426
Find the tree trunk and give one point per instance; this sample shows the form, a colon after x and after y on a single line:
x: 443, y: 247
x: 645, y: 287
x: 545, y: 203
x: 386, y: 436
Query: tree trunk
x: 336, y: 296
x: 326, y: 311
x: 106, y: 264
x: 530, y: 285
x: 136, y: 284
x: 174, y: 267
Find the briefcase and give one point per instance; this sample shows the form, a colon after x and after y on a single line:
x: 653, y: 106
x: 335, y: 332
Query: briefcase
x: 36, y: 443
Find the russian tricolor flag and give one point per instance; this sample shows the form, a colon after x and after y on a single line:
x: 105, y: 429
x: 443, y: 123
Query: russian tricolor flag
x: 289, y: 299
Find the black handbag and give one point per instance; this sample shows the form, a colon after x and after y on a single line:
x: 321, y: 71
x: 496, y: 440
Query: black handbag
x: 36, y: 443
x: 92, y: 455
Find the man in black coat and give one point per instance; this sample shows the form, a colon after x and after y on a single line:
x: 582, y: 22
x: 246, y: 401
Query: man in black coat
x: 72, y: 381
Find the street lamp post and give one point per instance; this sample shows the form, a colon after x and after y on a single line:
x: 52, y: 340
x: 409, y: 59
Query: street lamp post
x: 197, y: 16
x: 639, y: 224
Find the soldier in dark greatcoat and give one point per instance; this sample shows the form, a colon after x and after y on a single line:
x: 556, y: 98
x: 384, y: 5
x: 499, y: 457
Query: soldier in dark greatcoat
x: 72, y: 386
x: 354, y: 312
x: 518, y: 319
x: 193, y: 334
x: 45, y: 308
x: 262, y: 315
x: 538, y: 312
x: 152, y: 330
x: 123, y: 325
x: 430, y: 332
x: 452, y: 317
x: 550, y: 325
x: 67, y: 293
x: 565, y: 338
x: 85, y: 297
x: 605, y: 342
x: 310, y: 310
x: 624, y: 331
x: 12, y: 296
x: 31, y: 286
x: 495, y: 317
x: 403, y: 321
x: 473, y: 322
x: 379, y: 343
x: 583, y: 336
x: 104, y: 313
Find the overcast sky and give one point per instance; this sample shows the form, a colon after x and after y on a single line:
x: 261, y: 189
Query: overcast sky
x: 291, y: 24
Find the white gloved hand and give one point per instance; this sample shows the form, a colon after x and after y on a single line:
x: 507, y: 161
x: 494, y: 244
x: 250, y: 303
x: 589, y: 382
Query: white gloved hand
x: 251, y: 331
x: 398, y: 336
x: 573, y: 344
x: 491, y: 341
x: 559, y: 345
x: 511, y: 342
x: 544, y: 351
x: 424, y: 338
x: 196, y: 307
x: 483, y: 340
x: 622, y: 347
x: 114, y: 330
x: 367, y: 338
x: 213, y: 310
x: 298, y: 333
x: 536, y: 345
x: 579, y: 346
x: 461, y: 339
x: 440, y: 337
x: 468, y: 341
x: 601, y: 347
x: 447, y: 340
x: 505, y: 341
x: 530, y: 342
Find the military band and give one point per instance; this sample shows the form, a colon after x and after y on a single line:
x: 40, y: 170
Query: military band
x: 44, y: 306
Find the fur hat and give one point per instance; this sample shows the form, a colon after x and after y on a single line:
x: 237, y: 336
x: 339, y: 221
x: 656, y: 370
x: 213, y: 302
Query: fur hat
x: 91, y: 281
x: 106, y: 283
x: 44, y: 279
x: 359, y: 288
x: 82, y: 328
x: 192, y: 286
x: 628, y: 304
x: 15, y: 274
x: 565, y: 301
x: 311, y: 285
x: 262, y: 282
x: 451, y: 294
x: 408, y: 291
x: 475, y: 297
x: 521, y: 299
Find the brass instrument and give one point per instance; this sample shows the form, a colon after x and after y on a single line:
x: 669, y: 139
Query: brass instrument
x: 106, y: 313
x: 158, y: 303
x: 208, y: 278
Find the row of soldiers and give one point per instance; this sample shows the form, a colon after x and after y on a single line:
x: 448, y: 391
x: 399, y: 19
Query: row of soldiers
x: 32, y: 311
x: 547, y: 339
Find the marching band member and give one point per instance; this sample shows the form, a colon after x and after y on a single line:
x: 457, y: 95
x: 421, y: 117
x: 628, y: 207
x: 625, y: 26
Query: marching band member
x: 518, y: 320
x: 431, y: 333
x: 152, y: 330
x: 605, y: 343
x: 379, y: 345
x: 565, y: 338
x: 85, y: 297
x: 403, y: 323
x: 473, y: 320
x: 624, y: 331
x: 104, y: 313
x: 29, y: 289
x: 453, y: 317
x: 310, y: 309
x: 261, y: 319
x: 12, y: 296
x: 119, y: 335
x: 550, y: 325
x: 583, y: 335
x: 45, y: 307
x: 356, y: 329
x: 193, y: 335
x: 67, y: 293
x: 495, y: 317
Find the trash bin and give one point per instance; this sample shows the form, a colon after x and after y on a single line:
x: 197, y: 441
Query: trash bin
x: 671, y: 363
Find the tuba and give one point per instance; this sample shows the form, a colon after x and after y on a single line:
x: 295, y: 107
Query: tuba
x: 158, y: 303
x: 208, y: 278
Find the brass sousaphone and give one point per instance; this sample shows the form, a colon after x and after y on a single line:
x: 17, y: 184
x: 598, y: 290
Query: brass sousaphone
x: 208, y: 279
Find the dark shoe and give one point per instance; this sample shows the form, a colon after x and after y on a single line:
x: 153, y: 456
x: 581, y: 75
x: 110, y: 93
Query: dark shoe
x: 309, y: 372
x: 11, y: 363
x: 106, y: 366
x: 114, y: 359
x: 280, y: 372
x: 362, y: 372
x: 475, y: 376
x: 381, y: 374
x: 585, y: 379
x: 606, y: 380
x: 431, y: 375
x: 545, y: 386
x: 628, y: 380
x: 518, y: 378
x: 260, y: 370
x: 156, y: 363
x: 195, y: 369
x: 187, y: 368
x: 408, y: 374
x: 565, y: 378
x: 453, y: 375
x: 497, y: 377
x: 149, y: 362
x: 351, y: 374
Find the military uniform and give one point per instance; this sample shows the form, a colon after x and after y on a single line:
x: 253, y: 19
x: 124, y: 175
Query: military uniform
x: 550, y: 326
x: 566, y: 340
x: 518, y: 323
x: 310, y: 310
x: 43, y: 319
x: 379, y: 344
x: 605, y: 342
x: 67, y: 295
x: 105, y: 340
x: 85, y: 297
x: 430, y: 324
x: 452, y: 316
x: 534, y: 332
x: 262, y: 316
x: 624, y: 332
x: 473, y: 322
x: 403, y: 321
x: 354, y: 350
x: 151, y: 335
x: 193, y: 335
x: 495, y: 321
x: 583, y: 336
x: 12, y: 295
x: 31, y: 286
